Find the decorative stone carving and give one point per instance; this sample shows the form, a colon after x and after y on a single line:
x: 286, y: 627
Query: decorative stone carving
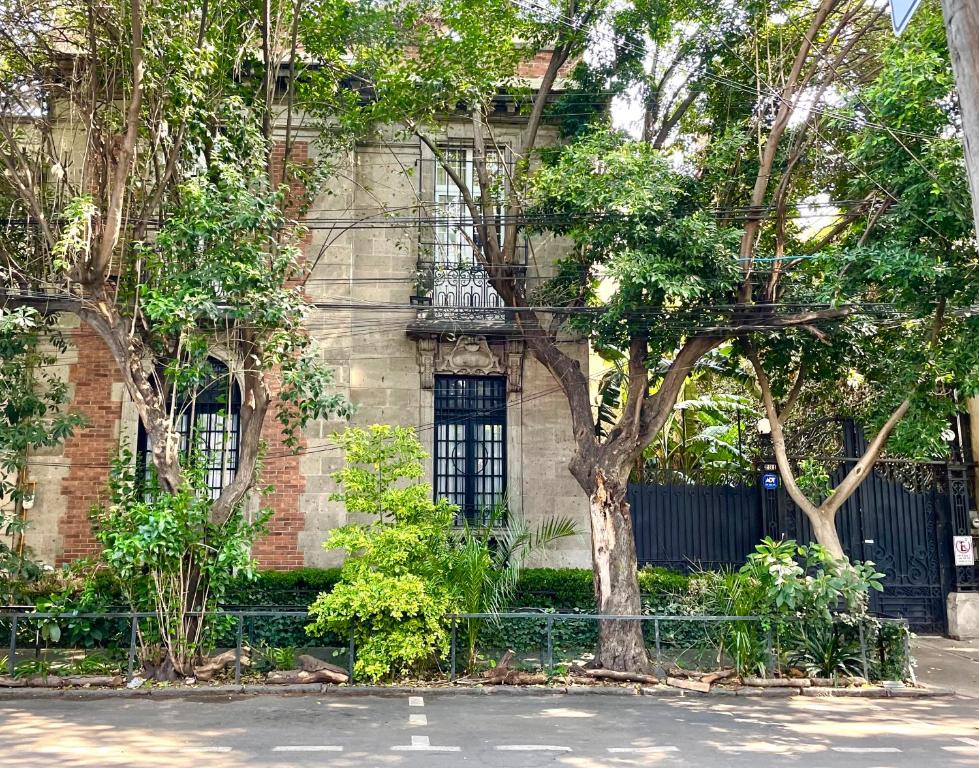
x: 470, y: 356
x: 426, y: 362
x: 514, y: 366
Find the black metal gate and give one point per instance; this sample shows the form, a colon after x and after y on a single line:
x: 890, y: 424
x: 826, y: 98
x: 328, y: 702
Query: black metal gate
x: 898, y: 519
x: 902, y: 518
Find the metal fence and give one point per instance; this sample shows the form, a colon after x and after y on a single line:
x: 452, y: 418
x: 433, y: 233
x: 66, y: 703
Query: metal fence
x: 659, y: 630
x: 766, y: 627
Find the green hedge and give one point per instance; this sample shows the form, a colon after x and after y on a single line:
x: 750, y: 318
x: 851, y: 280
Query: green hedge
x: 295, y: 589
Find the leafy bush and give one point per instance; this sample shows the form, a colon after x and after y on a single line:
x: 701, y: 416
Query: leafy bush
x: 788, y: 586
x: 826, y: 649
x: 170, y: 558
x: 266, y: 658
x: 814, y: 586
x: 394, y: 591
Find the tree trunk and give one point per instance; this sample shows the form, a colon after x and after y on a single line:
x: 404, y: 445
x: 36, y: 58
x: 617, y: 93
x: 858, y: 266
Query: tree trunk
x: 824, y: 530
x: 962, y: 28
x: 620, y: 643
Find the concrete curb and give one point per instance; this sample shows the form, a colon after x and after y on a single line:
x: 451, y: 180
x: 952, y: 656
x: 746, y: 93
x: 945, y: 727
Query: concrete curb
x: 315, y: 689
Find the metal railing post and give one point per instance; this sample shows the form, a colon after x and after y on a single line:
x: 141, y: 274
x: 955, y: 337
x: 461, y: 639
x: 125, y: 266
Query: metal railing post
x: 659, y: 652
x: 863, y: 652
x: 13, y: 645
x: 452, y: 670
x: 908, y: 667
x: 241, y: 626
x: 132, y: 647
x: 350, y: 655
x: 550, y: 645
x: 770, y: 650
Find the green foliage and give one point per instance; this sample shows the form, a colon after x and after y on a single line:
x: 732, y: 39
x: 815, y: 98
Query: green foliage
x: 170, y: 557
x: 788, y: 586
x: 377, y: 460
x: 488, y: 559
x: 394, y: 591
x: 36, y: 668
x: 814, y: 585
x: 632, y: 216
x: 33, y: 416
x: 826, y: 650
x: 266, y: 658
x: 95, y: 664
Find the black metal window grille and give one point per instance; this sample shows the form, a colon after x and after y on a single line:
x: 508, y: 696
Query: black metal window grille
x: 470, y: 444
x: 209, y: 421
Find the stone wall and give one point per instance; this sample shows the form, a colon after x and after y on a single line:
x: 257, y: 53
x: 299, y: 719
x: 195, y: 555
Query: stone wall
x: 375, y: 363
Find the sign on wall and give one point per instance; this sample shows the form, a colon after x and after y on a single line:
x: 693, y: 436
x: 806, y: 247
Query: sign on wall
x: 769, y: 481
x: 964, y: 552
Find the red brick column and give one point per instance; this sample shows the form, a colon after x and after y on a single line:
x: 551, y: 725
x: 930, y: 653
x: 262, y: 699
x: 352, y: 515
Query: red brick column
x: 92, y: 447
x: 279, y: 549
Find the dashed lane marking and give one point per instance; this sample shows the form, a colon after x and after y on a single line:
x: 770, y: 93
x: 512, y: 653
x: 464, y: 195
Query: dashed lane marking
x: 416, y: 701
x: 417, y: 720
x: 532, y: 748
x: 642, y: 750
x: 422, y: 744
x: 862, y: 750
x: 307, y: 748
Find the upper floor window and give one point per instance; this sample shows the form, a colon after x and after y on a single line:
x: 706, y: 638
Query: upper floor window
x: 459, y: 280
x: 470, y: 444
x: 208, y: 421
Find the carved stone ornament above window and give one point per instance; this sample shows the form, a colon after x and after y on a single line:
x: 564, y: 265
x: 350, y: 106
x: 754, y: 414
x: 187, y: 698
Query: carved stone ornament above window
x: 470, y: 356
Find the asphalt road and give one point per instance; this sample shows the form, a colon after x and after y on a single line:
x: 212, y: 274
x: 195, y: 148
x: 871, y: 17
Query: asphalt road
x: 585, y: 731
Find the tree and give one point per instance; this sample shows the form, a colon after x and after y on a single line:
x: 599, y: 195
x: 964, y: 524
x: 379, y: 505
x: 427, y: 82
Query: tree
x: 145, y: 194
x: 917, y: 252
x: 138, y: 170
x: 962, y: 25
x: 699, y: 249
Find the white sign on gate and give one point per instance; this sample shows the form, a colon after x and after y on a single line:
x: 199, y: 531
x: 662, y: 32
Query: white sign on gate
x: 901, y: 12
x: 964, y: 553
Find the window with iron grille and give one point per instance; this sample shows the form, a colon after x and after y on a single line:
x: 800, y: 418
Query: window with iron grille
x: 209, y: 421
x: 470, y: 444
x: 460, y: 283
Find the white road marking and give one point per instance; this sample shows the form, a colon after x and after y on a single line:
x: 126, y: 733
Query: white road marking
x: 962, y: 750
x: 970, y: 742
x: 307, y: 748
x: 422, y: 744
x: 865, y: 749
x: 417, y: 720
x: 532, y: 748
x: 642, y: 750
x: 416, y: 701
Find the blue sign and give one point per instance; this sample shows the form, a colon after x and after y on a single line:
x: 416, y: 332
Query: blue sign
x: 769, y: 481
x: 901, y: 11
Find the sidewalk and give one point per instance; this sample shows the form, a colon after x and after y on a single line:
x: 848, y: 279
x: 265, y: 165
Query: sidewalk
x: 944, y: 663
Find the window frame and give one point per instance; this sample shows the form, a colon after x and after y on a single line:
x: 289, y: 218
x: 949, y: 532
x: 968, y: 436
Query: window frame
x: 485, y: 401
x: 206, y: 404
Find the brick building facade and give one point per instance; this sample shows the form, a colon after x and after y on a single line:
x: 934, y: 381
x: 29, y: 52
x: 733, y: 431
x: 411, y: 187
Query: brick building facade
x: 392, y: 316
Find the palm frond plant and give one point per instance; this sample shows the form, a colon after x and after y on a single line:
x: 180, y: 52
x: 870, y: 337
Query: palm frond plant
x: 489, y: 558
x: 825, y: 649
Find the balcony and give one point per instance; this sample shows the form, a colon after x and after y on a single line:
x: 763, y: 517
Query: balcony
x: 455, y: 296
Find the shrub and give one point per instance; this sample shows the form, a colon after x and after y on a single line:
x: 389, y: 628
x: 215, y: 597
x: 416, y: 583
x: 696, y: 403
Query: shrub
x: 170, y: 558
x: 394, y: 591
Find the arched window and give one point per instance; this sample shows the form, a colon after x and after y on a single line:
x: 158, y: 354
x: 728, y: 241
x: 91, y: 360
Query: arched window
x: 208, y: 420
